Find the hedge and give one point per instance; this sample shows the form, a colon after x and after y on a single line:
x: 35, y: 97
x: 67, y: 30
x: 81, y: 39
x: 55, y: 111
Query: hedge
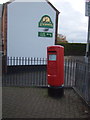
x: 74, y: 49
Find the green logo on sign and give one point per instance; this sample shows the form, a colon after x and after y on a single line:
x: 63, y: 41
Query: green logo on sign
x: 46, y: 22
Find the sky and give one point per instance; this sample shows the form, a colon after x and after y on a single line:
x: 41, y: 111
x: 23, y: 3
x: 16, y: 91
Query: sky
x: 72, y: 20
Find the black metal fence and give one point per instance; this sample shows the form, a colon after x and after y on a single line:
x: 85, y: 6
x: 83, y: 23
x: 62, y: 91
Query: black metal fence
x: 32, y: 72
x: 82, y: 79
x: 33, y: 75
x: 23, y: 71
x: 69, y: 72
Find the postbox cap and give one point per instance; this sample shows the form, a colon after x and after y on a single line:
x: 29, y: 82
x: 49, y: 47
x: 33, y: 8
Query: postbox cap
x: 55, y: 46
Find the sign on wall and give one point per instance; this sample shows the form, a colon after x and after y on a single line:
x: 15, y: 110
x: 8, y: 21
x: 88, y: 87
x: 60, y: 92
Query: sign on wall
x: 45, y: 24
x: 45, y: 34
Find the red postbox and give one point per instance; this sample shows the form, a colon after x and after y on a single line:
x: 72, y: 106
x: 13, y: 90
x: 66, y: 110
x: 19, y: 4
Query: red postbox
x: 55, y: 70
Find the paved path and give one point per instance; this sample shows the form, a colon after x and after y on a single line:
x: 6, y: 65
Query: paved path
x: 35, y: 103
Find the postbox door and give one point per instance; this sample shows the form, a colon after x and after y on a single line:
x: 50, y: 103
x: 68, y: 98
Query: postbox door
x: 52, y: 65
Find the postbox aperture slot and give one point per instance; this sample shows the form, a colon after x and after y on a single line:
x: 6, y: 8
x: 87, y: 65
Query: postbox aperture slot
x: 52, y: 51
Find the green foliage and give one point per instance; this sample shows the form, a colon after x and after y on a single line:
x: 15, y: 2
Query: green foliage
x: 74, y: 49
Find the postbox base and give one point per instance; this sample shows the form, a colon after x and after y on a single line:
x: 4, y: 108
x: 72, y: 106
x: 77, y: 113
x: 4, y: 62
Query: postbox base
x: 56, y: 91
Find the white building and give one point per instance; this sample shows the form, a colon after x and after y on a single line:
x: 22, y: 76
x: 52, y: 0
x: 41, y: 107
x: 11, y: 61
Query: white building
x: 31, y: 27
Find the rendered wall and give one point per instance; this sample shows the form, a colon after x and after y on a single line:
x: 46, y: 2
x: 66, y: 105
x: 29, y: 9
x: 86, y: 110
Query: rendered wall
x: 22, y: 29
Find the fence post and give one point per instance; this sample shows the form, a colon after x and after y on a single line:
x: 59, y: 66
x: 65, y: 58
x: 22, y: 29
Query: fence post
x: 16, y: 60
x: 31, y: 60
x: 4, y: 64
x: 37, y: 61
x: 34, y: 61
x: 19, y: 60
x: 89, y: 83
x: 22, y: 60
x: 13, y: 60
x: 76, y: 69
x: 28, y: 61
x: 25, y: 61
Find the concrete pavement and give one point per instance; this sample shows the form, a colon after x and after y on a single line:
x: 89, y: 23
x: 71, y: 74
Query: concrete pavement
x: 35, y: 103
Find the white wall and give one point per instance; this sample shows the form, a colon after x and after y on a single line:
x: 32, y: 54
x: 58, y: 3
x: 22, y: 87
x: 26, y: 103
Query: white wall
x: 22, y: 34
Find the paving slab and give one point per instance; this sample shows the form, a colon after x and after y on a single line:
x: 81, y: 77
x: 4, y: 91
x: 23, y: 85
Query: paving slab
x: 31, y: 102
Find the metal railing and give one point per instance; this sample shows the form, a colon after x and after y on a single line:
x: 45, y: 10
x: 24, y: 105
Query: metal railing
x: 33, y: 72
x: 69, y: 72
x: 25, y: 61
x: 32, y: 75
x: 82, y: 79
x: 23, y: 71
